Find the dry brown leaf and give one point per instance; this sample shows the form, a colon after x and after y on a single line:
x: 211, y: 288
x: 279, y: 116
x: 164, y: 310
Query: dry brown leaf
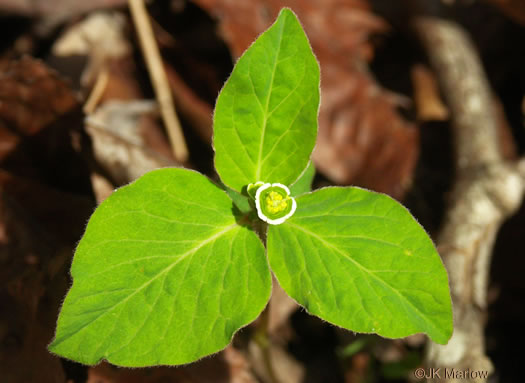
x: 40, y: 115
x: 429, y: 106
x: 45, y: 199
x: 122, y: 81
x: 515, y: 9
x: 120, y: 145
x: 100, y: 37
x: 197, y: 112
x: 102, y: 187
x: 127, y: 139
x: 8, y: 141
x: 65, y: 8
x: 32, y: 96
x: 281, y: 307
x: 285, y: 367
x: 362, y: 139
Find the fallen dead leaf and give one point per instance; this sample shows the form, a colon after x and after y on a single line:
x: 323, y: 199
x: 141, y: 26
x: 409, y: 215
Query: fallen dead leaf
x: 45, y: 199
x: 127, y: 138
x: 119, y: 145
x: 197, y: 112
x: 100, y: 37
x: 285, y: 367
x: 101, y: 187
x: 64, y: 8
x: 429, y: 106
x: 32, y: 96
x: 281, y: 307
x: 515, y: 9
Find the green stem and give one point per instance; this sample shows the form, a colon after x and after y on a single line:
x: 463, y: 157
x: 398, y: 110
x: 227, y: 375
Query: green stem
x: 262, y: 339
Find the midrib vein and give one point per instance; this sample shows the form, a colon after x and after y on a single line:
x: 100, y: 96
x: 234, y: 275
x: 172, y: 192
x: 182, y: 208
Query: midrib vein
x: 265, y: 121
x: 369, y: 272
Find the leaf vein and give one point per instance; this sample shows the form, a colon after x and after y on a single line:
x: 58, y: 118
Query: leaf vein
x: 364, y: 269
x: 144, y: 285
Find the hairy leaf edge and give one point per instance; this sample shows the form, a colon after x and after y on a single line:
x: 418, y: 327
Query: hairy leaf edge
x: 447, y: 333
x: 50, y: 347
x: 283, y: 10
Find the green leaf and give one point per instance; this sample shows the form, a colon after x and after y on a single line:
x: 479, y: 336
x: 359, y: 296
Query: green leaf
x: 304, y: 183
x: 359, y: 260
x: 401, y: 369
x: 265, y: 121
x: 356, y: 346
x: 163, y: 275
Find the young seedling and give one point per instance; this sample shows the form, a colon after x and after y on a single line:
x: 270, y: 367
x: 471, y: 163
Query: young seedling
x: 172, y: 265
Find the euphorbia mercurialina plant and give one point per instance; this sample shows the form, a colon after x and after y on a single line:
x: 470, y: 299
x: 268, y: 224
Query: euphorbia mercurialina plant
x: 172, y: 265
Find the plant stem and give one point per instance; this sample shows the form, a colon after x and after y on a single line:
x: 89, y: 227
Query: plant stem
x: 263, y: 340
x: 261, y: 337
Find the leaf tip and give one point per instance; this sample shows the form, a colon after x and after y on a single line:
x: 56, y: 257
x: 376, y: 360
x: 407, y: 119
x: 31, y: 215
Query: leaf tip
x: 286, y: 11
x: 445, y: 336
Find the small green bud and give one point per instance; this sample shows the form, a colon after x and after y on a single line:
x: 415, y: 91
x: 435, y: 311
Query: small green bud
x: 251, y: 189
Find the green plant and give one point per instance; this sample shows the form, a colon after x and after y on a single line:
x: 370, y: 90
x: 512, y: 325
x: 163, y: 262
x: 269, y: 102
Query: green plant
x: 172, y: 265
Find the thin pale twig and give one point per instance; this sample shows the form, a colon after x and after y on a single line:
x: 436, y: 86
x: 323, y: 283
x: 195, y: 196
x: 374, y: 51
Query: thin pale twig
x: 159, y: 79
x: 97, y: 92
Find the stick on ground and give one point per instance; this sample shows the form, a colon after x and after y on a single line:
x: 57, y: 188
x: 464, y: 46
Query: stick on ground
x: 487, y: 190
x: 159, y: 79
